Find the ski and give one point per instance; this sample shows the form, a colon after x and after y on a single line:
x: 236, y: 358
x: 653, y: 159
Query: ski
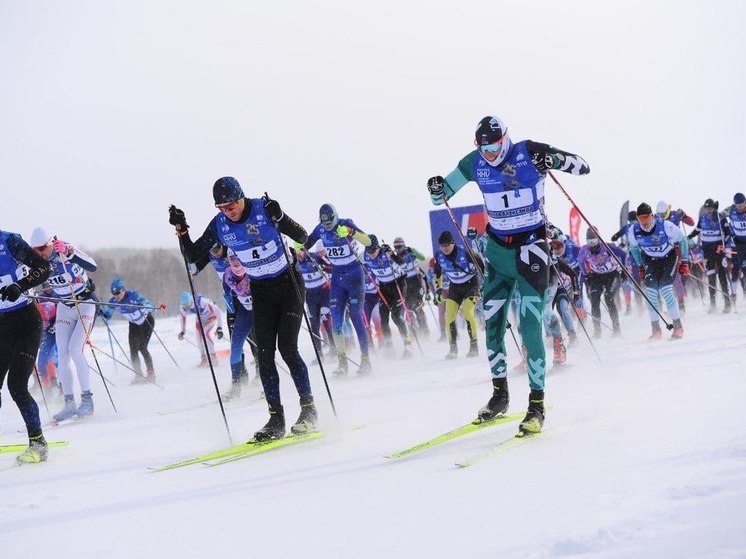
x: 455, y: 433
x: 21, y: 447
x: 260, y: 448
x: 503, y: 446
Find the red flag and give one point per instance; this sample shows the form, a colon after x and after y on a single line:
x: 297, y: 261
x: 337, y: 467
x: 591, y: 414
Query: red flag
x: 575, y: 225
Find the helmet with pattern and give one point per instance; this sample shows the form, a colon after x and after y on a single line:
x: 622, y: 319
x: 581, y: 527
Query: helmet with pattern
x: 492, y: 140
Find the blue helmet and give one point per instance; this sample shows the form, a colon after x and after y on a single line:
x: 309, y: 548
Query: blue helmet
x: 185, y: 300
x: 328, y: 215
x: 226, y: 190
x: 117, y: 286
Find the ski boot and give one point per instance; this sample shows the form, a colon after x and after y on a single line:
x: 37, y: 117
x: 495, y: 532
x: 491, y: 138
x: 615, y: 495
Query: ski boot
x: 596, y: 331
x: 36, y: 452
x: 234, y: 391
x: 306, y: 422
x: 139, y: 379
x: 214, y: 359
x: 365, y: 367
x: 473, y: 349
x: 407, y: 349
x: 497, y: 404
x: 534, y: 420
x: 274, y: 428
x: 628, y: 310
x: 243, y: 375
x: 68, y: 411
x: 657, y: 334
x: 453, y: 352
x: 85, y: 409
x: 727, y: 307
x: 151, y: 375
x: 682, y: 307
x: 560, y: 354
x: 202, y: 362
x: 678, y: 330
x: 341, y: 365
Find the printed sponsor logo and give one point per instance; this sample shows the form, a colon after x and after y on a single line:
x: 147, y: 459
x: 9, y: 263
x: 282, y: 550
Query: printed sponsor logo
x: 229, y: 238
x: 483, y: 173
x: 535, y: 268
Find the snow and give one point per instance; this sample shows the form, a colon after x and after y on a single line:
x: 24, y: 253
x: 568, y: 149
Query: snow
x: 642, y: 456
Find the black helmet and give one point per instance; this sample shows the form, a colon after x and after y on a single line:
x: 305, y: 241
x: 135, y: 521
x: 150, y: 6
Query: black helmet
x: 226, y: 190
x: 644, y: 209
x: 328, y: 215
x: 373, y: 246
x: 632, y: 216
x: 710, y: 203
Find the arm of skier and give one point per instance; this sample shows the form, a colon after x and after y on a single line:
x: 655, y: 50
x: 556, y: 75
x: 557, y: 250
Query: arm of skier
x: 39, y: 268
x: 548, y: 158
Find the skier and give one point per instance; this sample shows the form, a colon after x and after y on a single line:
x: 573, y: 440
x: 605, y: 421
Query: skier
x: 712, y: 229
x: 315, y: 272
x: 348, y: 285
x: 602, y: 276
x: 47, y: 361
x: 568, y: 289
x: 511, y: 178
x: 664, y: 211
x: 737, y: 227
x: 454, y: 262
x: 415, y: 304
x: 652, y: 244
x: 386, y: 268
x: 237, y: 282
x: 20, y: 332
x: 252, y: 228
x: 141, y: 325
x: 75, y: 316
x: 212, y: 322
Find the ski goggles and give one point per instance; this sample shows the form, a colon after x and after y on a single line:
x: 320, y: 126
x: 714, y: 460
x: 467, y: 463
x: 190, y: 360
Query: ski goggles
x: 494, y: 147
x: 117, y: 291
x: 229, y: 207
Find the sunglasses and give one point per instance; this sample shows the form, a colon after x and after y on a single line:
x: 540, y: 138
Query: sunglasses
x: 227, y: 207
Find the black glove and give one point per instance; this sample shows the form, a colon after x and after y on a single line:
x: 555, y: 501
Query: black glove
x: 10, y: 292
x: 219, y: 333
x: 471, y: 233
x: 177, y: 218
x: 437, y: 187
x: 386, y: 248
x: 438, y: 296
x: 544, y: 161
x: 272, y: 207
x: 180, y: 336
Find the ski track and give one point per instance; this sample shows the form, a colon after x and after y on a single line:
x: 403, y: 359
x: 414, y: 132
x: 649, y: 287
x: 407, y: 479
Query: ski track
x: 644, y: 456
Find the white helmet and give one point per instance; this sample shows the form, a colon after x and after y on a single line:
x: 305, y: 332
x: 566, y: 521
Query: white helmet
x: 40, y: 237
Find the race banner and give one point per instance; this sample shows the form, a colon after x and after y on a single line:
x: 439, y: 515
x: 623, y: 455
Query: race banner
x: 466, y: 216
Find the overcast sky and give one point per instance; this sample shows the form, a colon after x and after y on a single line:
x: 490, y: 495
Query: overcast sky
x: 111, y: 111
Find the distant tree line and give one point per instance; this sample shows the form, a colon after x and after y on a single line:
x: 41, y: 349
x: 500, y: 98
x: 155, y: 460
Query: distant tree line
x: 157, y: 274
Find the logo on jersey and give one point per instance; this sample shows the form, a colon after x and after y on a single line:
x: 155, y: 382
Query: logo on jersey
x: 258, y: 241
x: 519, y: 157
x: 225, y: 228
x: 229, y: 238
x: 483, y: 173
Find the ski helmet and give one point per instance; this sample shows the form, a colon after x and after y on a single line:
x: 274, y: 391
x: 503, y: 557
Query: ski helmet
x: 226, y: 190
x: 591, y: 237
x: 185, y: 300
x: 644, y: 209
x: 399, y: 243
x: 328, y: 215
x: 739, y: 198
x: 710, y: 203
x: 446, y: 238
x: 662, y: 209
x: 40, y: 237
x: 490, y: 131
x: 117, y: 286
x: 632, y: 216
x: 373, y: 246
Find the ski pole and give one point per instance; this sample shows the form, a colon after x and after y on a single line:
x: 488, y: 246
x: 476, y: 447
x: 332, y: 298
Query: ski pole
x: 111, y: 345
x: 41, y: 389
x: 164, y: 347
x: 471, y: 254
x: 91, y: 302
x: 669, y: 326
x: 204, y: 339
x: 111, y: 335
x: 291, y: 271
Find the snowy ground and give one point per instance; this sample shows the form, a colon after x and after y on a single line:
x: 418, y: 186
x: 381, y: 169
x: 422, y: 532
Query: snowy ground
x: 643, y: 456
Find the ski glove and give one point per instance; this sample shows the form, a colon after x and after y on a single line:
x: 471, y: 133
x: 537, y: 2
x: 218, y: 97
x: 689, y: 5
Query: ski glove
x: 437, y: 187
x: 219, y: 333
x: 344, y: 231
x: 544, y: 161
x: 272, y: 207
x: 684, y: 268
x: 177, y: 218
x: 162, y: 307
x: 60, y: 246
x: 10, y: 292
x: 438, y: 296
x: 641, y: 273
x: 180, y: 336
